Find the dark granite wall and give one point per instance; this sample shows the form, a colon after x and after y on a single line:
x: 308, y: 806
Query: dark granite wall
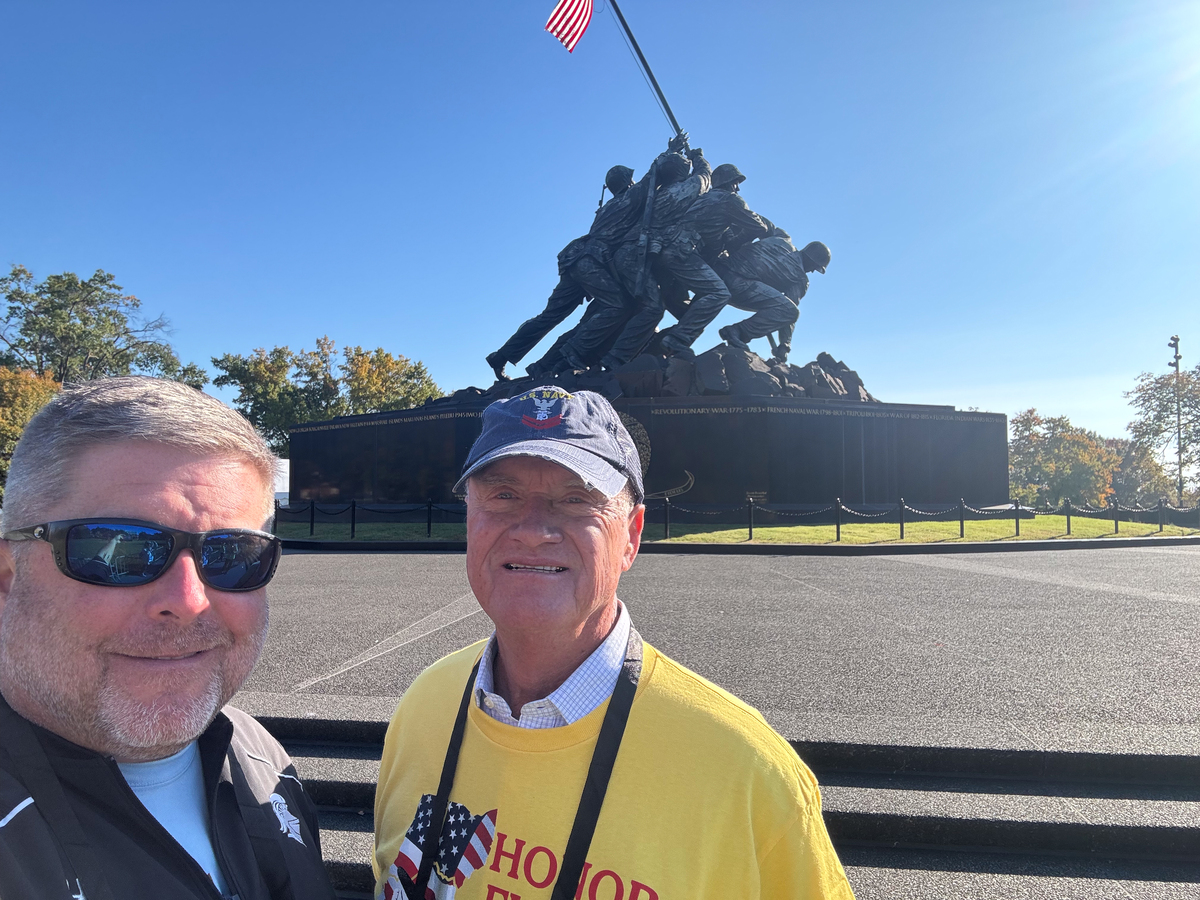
x: 790, y: 450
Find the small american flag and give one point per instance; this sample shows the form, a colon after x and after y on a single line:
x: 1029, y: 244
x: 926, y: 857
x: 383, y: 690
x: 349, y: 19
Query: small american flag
x: 463, y: 847
x: 569, y: 21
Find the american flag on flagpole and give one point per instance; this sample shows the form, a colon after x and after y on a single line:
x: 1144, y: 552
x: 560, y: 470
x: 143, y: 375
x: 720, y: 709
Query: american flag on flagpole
x: 569, y: 21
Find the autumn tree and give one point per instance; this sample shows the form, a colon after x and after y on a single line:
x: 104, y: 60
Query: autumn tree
x: 1139, y: 479
x: 1050, y: 460
x: 377, y: 381
x: 1153, y: 399
x: 22, y: 393
x: 266, y: 394
x: 74, y: 330
x: 281, y: 388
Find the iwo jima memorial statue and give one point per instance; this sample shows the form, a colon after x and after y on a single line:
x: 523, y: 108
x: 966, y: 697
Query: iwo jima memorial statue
x: 722, y: 426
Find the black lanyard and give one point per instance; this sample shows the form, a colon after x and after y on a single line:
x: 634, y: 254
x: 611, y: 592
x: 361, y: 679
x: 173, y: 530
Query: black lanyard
x: 594, y: 787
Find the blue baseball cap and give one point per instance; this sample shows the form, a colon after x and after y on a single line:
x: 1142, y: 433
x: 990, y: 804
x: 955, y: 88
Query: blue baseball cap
x: 580, y: 431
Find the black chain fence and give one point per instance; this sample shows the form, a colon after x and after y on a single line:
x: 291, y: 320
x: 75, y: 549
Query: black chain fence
x: 293, y: 518
x: 431, y: 520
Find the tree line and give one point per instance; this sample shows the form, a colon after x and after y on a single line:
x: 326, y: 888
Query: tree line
x: 65, y: 329
x: 1051, y: 460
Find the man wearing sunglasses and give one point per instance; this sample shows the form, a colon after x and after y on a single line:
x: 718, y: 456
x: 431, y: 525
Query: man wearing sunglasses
x: 133, y: 570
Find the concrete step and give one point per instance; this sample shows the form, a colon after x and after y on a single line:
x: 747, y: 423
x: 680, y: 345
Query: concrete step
x: 1013, y: 817
x: 338, y: 776
x: 953, y: 824
x: 347, y: 839
x: 827, y: 757
x: 881, y: 872
x: 907, y: 820
x: 315, y: 719
x: 911, y: 811
x: 836, y: 756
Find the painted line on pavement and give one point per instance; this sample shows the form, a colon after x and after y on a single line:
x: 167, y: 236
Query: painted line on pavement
x: 958, y: 564
x: 462, y: 608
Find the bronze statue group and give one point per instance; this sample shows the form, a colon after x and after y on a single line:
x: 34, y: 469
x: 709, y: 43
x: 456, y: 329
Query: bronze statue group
x: 681, y: 240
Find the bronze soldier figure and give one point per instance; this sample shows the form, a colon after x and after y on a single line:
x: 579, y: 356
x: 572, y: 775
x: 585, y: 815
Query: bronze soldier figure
x: 580, y: 274
x: 584, y: 270
x: 719, y: 220
x: 768, y: 278
x: 679, y: 184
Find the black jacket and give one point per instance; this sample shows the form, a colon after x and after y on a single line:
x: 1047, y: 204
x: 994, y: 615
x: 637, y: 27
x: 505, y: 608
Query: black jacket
x: 86, y: 834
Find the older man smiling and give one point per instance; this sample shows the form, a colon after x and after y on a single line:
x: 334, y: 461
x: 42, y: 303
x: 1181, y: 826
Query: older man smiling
x: 564, y: 757
x: 133, y: 578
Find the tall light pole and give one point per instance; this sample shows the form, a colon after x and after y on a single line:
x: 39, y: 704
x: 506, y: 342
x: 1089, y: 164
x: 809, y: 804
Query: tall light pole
x: 1174, y: 364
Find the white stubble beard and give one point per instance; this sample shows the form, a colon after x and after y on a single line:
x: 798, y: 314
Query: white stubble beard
x: 169, y: 722
x: 113, y: 721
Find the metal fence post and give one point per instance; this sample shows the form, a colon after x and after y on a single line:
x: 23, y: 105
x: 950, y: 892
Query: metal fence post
x: 275, y: 519
x: 1116, y: 511
x: 1017, y: 515
x: 666, y: 518
x: 838, y: 520
x: 901, y: 518
x: 312, y: 517
x: 1067, y: 504
x: 429, y: 518
x: 962, y: 517
x: 1160, y: 514
x: 353, y: 516
x: 750, y: 515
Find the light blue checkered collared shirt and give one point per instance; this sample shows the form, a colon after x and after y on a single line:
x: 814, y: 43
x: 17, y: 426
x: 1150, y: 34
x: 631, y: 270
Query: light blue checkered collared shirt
x: 589, y: 685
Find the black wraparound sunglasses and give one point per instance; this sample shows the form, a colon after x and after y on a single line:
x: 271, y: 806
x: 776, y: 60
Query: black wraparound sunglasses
x: 128, y: 552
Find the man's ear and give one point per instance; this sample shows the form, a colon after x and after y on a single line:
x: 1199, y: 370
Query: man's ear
x: 637, y: 519
x: 7, y: 572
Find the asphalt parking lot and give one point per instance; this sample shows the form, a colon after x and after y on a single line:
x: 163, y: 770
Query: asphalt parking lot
x: 1093, y: 650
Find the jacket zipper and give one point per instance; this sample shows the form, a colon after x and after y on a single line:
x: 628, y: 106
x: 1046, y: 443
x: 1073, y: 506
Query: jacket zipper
x: 177, y: 848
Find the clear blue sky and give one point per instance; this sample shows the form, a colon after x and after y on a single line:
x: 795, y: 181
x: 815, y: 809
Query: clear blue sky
x: 1011, y: 191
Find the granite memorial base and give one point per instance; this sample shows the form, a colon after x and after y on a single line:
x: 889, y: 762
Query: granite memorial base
x: 703, y: 450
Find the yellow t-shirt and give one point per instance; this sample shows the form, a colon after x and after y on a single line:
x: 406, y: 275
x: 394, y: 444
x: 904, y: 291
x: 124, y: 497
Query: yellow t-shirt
x: 705, y: 801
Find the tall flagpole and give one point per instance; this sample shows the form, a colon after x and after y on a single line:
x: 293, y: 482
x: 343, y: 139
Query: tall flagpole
x: 645, y: 65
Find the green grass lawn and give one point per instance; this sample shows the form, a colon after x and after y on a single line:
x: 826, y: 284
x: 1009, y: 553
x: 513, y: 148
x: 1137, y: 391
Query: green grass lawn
x: 998, y: 529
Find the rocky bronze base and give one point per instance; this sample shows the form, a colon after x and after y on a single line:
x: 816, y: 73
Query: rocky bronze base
x: 721, y: 371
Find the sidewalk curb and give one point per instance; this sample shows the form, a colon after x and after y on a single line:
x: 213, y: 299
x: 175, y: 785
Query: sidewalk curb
x: 823, y: 756
x: 776, y: 549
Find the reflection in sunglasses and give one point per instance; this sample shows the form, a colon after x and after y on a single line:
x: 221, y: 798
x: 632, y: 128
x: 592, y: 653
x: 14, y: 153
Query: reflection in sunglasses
x: 120, y: 552
x: 133, y: 555
x: 117, y: 554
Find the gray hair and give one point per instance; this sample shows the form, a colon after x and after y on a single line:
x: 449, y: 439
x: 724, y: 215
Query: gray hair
x: 116, y: 410
x: 628, y: 497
